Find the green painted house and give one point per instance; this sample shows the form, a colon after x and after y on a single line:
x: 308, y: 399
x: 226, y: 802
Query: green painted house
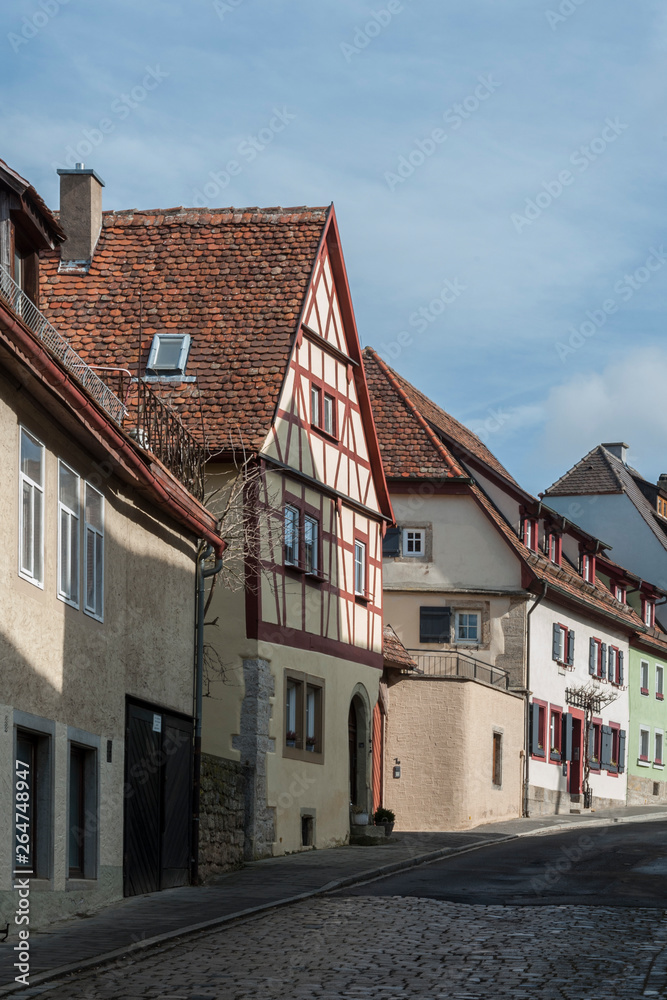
x: 647, y: 677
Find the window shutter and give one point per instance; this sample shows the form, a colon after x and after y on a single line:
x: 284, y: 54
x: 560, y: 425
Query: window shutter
x: 567, y: 737
x: 435, y: 624
x: 391, y: 543
x: 556, y: 641
x: 591, y: 743
x: 535, y: 730
x: 592, y: 657
x: 607, y: 744
x: 621, y: 751
x: 570, y: 648
x: 620, y: 667
x: 603, y: 661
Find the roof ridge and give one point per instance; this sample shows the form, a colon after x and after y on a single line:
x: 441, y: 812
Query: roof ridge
x: 270, y: 211
x: 390, y: 376
x: 607, y: 456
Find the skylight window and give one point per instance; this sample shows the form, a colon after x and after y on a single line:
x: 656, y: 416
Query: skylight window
x: 168, y: 354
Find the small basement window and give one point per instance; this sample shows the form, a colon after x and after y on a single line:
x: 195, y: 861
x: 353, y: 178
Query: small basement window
x: 169, y: 354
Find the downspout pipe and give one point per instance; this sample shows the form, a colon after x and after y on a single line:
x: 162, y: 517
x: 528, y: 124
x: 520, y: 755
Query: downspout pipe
x: 202, y: 576
x: 526, y: 780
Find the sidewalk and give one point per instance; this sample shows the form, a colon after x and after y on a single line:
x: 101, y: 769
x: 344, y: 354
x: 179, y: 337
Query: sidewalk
x: 141, y: 921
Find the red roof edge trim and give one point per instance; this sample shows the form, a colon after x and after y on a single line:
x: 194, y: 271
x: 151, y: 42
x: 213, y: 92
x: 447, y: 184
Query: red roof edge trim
x: 435, y: 440
x: 167, y: 492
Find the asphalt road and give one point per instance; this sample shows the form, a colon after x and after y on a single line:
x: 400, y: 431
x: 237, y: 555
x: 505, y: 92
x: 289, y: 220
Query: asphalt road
x: 620, y: 866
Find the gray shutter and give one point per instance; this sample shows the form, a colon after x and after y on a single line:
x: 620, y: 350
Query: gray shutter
x: 620, y: 667
x: 621, y: 751
x: 391, y: 543
x: 535, y: 730
x: 607, y: 744
x: 603, y: 661
x: 435, y: 624
x: 567, y: 737
x: 592, y: 657
x: 555, y: 642
x: 591, y: 743
x: 570, y: 647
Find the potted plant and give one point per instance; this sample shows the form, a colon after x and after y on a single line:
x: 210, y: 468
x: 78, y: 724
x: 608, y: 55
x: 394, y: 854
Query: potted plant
x: 311, y: 742
x: 290, y: 738
x: 386, y: 818
x: 359, y: 816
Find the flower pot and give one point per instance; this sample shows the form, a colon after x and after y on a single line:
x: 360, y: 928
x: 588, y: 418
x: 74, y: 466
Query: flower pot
x: 360, y: 819
x: 388, y: 829
x: 311, y: 749
x: 290, y: 743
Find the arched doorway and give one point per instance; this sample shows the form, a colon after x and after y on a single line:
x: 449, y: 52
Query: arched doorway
x: 358, y: 729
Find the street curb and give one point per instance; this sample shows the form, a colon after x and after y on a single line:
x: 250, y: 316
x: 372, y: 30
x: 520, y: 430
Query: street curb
x: 336, y: 884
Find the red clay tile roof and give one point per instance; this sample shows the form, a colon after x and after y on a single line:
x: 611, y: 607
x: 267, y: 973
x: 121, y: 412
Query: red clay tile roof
x: 410, y: 448
x: 394, y: 652
x: 457, y: 437
x: 560, y: 579
x: 233, y: 279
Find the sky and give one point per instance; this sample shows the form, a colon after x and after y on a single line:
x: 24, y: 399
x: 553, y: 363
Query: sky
x: 497, y: 170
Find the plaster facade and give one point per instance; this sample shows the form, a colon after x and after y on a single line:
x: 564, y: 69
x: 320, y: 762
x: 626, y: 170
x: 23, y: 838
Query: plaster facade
x: 647, y: 780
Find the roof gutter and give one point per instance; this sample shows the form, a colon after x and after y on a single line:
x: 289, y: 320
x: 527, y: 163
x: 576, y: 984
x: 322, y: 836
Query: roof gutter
x: 526, y: 768
x: 88, y: 412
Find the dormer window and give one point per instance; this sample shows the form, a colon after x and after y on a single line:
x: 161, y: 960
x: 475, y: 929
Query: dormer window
x: 530, y: 533
x: 620, y: 592
x: 662, y: 507
x: 168, y: 354
x: 555, y: 548
x: 588, y: 568
x: 648, y: 611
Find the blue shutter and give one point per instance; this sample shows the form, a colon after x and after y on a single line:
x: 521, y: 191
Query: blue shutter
x: 603, y: 661
x: 607, y: 745
x: 391, y: 543
x: 567, y: 737
x: 570, y: 647
x: 592, y: 657
x: 620, y: 667
x: 621, y: 751
x: 555, y: 650
x: 591, y: 744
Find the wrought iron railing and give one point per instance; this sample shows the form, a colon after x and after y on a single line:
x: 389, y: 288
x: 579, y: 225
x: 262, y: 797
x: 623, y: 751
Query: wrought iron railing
x: 26, y: 309
x: 453, y: 664
x: 160, y: 430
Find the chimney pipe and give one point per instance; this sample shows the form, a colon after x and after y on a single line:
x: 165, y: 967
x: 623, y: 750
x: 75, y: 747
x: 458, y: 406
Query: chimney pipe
x: 618, y: 449
x: 80, y: 213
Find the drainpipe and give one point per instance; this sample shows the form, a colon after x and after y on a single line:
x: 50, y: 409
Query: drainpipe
x: 526, y: 779
x: 202, y: 575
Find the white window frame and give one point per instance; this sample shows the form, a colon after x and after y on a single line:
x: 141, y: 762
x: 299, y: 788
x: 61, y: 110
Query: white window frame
x: 659, y: 672
x: 612, y: 663
x: 643, y: 672
x: 644, y: 761
x: 419, y: 533
x: 295, y: 533
x: 359, y: 568
x: 619, y: 593
x: 562, y: 649
x: 329, y: 414
x: 75, y: 530
x: 658, y: 762
x: 316, y: 406
x: 467, y: 642
x: 36, y: 490
x: 154, y: 352
x: 97, y: 533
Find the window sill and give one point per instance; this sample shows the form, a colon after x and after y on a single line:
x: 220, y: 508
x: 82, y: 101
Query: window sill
x: 75, y: 882
x: 362, y: 598
x: 538, y: 756
x: 643, y: 763
x: 307, y: 756
x: 91, y: 614
x: 31, y: 579
x: 68, y: 602
x: 658, y: 766
x: 595, y: 766
x: 331, y: 438
x: 555, y: 758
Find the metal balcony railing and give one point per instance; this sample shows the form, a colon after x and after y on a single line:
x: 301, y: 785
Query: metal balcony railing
x: 28, y: 312
x: 454, y: 664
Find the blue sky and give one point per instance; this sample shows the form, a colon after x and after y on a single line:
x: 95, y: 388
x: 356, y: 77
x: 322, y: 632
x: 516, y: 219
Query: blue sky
x: 497, y: 171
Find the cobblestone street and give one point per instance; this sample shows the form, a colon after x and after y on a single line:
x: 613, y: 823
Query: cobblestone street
x: 392, y: 947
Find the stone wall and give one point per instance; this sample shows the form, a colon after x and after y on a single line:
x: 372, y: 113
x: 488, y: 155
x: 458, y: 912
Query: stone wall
x: 640, y: 791
x: 222, y: 818
x: 556, y: 802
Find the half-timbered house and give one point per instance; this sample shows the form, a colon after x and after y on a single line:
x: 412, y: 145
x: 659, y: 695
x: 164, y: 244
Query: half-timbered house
x: 244, y: 320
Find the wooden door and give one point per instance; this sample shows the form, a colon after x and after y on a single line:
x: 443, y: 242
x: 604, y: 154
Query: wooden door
x: 352, y: 741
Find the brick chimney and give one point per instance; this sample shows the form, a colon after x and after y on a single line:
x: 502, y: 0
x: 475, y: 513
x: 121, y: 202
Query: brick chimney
x: 80, y: 213
x: 619, y: 449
